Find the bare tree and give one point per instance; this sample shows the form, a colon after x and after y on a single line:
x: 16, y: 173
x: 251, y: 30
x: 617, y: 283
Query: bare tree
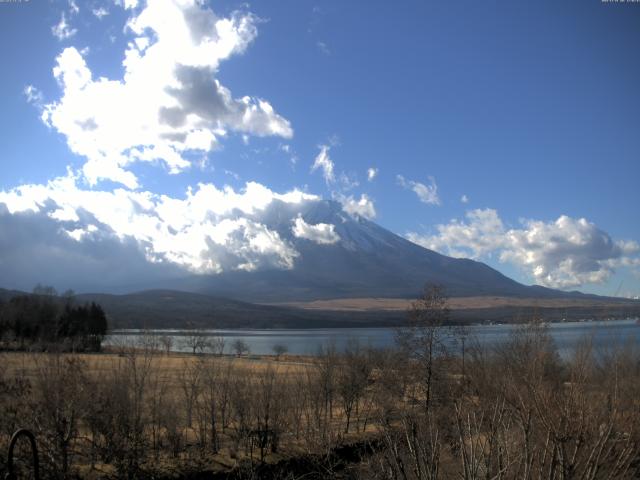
x: 157, y: 406
x: 227, y: 374
x: 422, y: 336
x: 59, y: 390
x: 240, y: 347
x: 116, y: 412
x: 327, y: 365
x: 461, y: 335
x: 279, y: 349
x: 212, y: 398
x: 167, y: 342
x: 240, y: 403
x: 269, y: 410
x: 352, y: 377
x: 216, y: 345
x: 148, y: 341
x: 190, y: 384
x: 196, y: 340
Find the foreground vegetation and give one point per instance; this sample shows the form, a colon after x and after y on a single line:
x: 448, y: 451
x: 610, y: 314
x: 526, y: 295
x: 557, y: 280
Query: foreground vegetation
x: 417, y: 412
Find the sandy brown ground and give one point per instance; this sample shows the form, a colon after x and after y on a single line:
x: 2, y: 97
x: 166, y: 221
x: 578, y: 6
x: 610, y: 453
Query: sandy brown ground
x: 172, y: 364
x: 456, y: 303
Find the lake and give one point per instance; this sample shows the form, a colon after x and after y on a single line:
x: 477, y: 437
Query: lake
x: 307, y: 341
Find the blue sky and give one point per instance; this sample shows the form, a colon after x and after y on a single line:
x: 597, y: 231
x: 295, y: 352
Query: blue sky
x: 505, y: 131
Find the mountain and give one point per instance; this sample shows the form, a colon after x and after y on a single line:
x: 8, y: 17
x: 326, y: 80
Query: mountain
x: 349, y: 282
x: 366, y: 261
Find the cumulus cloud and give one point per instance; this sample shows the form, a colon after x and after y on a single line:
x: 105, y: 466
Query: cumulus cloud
x: 426, y: 193
x: 244, y: 244
x: 58, y: 258
x: 168, y: 105
x: 211, y: 230
x: 363, y: 207
x: 372, y: 173
x: 464, y: 199
x: 321, y: 233
x: 482, y: 233
x: 564, y: 253
x: 324, y: 163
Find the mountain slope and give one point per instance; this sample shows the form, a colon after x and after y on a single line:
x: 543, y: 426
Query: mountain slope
x: 174, y: 309
x: 367, y: 261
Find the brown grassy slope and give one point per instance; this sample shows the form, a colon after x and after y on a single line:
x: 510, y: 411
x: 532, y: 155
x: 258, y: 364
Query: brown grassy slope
x: 455, y: 303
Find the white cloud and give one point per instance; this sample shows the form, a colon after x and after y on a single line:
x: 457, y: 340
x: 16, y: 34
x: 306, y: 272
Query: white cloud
x: 324, y: 163
x: 168, y: 105
x: 321, y: 233
x: 464, y: 199
x: 323, y: 48
x: 565, y: 253
x: 73, y: 7
x: 293, y: 156
x: 34, y: 96
x: 481, y: 234
x: 209, y: 231
x: 127, y: 4
x: 426, y: 193
x: 363, y: 207
x: 372, y: 173
x: 347, y: 182
x: 62, y: 30
x: 231, y: 173
x: 100, y: 13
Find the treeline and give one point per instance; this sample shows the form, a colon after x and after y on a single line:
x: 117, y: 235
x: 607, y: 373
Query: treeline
x: 45, y: 318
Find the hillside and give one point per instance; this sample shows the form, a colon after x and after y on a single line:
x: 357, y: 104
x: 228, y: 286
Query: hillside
x: 174, y: 309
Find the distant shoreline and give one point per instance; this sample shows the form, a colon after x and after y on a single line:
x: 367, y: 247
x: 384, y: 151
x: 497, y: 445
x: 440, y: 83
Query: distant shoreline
x: 230, y: 331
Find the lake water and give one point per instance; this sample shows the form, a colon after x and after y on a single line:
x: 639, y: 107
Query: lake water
x: 567, y: 336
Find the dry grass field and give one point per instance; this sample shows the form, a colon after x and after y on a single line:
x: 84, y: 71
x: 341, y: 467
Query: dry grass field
x: 174, y: 363
x: 185, y: 412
